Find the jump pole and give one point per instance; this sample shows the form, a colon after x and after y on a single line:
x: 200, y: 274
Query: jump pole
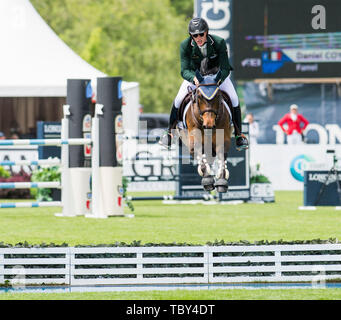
x: 75, y: 177
x: 65, y: 174
x: 106, y: 172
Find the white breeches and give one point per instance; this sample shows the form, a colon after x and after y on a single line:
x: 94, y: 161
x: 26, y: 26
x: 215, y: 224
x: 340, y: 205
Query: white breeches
x: 294, y: 138
x: 226, y: 86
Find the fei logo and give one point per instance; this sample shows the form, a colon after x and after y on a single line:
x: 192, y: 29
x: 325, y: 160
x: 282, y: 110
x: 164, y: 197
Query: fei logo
x: 297, y: 166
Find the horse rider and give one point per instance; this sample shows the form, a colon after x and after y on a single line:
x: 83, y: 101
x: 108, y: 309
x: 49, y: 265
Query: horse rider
x: 199, y: 45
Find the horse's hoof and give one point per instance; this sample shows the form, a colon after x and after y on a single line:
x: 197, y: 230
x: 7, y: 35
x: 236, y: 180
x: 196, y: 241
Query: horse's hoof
x: 209, y: 187
x: 221, y: 185
x: 208, y: 183
x: 222, y: 189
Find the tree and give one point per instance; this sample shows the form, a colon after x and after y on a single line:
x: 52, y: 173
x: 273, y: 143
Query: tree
x: 136, y: 39
x: 184, y: 7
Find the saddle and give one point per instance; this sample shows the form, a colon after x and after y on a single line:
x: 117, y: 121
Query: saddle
x: 184, y: 103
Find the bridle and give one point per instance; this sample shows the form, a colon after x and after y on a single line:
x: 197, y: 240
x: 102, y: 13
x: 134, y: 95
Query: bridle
x: 202, y: 112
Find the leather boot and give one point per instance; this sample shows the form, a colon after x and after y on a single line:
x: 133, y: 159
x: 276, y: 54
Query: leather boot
x: 241, y: 141
x: 166, y: 139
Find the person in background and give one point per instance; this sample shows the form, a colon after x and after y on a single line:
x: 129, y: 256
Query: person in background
x: 253, y: 128
x: 2, y: 136
x: 14, y: 135
x: 293, y: 129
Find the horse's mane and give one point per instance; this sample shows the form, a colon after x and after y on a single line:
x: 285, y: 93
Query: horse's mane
x: 205, y: 68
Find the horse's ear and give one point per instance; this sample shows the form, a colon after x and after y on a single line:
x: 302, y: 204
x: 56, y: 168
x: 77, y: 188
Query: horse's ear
x: 218, y: 76
x: 199, y: 76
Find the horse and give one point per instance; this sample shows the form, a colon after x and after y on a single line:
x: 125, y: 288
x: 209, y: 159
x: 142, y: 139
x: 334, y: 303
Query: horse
x: 208, y: 133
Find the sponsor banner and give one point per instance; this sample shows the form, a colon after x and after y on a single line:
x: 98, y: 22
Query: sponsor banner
x: 286, y: 39
x: 16, y: 153
x: 48, y: 130
x: 316, y: 55
x: 87, y: 147
x: 119, y: 124
x: 262, y: 192
x: 87, y: 123
x: 285, y: 165
x: 148, y: 162
x: 321, y: 188
x: 218, y: 14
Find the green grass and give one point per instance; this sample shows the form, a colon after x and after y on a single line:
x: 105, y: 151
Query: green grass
x: 219, y: 294
x: 156, y: 222
x: 159, y: 223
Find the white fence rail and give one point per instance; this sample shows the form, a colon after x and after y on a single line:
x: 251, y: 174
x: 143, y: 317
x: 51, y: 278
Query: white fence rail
x: 152, y: 265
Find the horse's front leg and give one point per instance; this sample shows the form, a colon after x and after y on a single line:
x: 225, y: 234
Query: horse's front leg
x: 222, y: 175
x: 204, y: 168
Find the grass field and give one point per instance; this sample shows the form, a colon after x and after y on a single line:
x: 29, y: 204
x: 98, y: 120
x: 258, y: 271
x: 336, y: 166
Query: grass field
x: 155, y: 222
x: 219, y: 294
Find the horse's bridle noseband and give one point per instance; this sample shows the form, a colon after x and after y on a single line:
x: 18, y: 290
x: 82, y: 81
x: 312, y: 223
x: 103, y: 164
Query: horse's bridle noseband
x: 195, y: 96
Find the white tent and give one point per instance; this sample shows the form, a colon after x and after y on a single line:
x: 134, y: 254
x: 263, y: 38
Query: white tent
x: 35, y: 62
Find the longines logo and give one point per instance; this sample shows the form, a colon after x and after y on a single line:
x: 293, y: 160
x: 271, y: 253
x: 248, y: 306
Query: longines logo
x: 323, y: 178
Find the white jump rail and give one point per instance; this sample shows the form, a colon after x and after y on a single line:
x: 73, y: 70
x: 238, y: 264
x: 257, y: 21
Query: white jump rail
x: 170, y: 265
x: 45, y: 142
x: 38, y: 204
x: 27, y: 185
x: 50, y: 162
x: 65, y: 185
x: 24, y: 266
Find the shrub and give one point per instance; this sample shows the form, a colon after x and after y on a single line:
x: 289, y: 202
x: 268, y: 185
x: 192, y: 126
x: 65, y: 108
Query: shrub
x: 21, y: 176
x: 45, y: 174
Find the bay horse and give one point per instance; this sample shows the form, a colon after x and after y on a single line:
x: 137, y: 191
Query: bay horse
x: 208, y: 133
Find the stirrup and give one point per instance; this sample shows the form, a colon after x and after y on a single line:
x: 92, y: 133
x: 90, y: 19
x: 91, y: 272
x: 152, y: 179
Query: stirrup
x: 167, y: 135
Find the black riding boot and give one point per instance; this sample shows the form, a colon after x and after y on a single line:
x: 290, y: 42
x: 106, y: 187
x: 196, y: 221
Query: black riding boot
x: 166, y: 139
x: 241, y: 141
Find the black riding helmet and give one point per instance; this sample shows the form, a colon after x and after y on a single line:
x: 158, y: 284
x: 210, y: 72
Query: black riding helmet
x: 197, y: 25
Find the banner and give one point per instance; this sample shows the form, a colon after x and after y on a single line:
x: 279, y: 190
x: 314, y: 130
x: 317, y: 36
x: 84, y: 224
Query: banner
x: 284, y: 165
x: 318, y: 103
x: 287, y: 39
x: 218, y: 14
x: 321, y: 188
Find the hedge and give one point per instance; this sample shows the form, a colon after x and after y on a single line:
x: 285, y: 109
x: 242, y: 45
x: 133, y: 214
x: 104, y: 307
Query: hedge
x: 136, y: 243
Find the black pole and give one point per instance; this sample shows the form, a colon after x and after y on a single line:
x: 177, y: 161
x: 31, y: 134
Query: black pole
x: 109, y: 94
x: 79, y: 99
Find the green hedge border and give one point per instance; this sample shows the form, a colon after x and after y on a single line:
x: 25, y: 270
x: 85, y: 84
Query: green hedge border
x: 172, y: 244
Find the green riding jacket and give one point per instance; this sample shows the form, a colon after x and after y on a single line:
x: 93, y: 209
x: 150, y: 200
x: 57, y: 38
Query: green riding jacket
x: 191, y: 57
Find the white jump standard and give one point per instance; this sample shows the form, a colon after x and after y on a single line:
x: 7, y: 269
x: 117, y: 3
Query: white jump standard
x: 102, y: 180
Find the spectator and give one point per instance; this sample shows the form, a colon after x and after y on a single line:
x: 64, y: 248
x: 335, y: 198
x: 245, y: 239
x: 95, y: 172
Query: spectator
x: 14, y: 135
x: 293, y: 129
x: 253, y: 128
x: 2, y: 136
